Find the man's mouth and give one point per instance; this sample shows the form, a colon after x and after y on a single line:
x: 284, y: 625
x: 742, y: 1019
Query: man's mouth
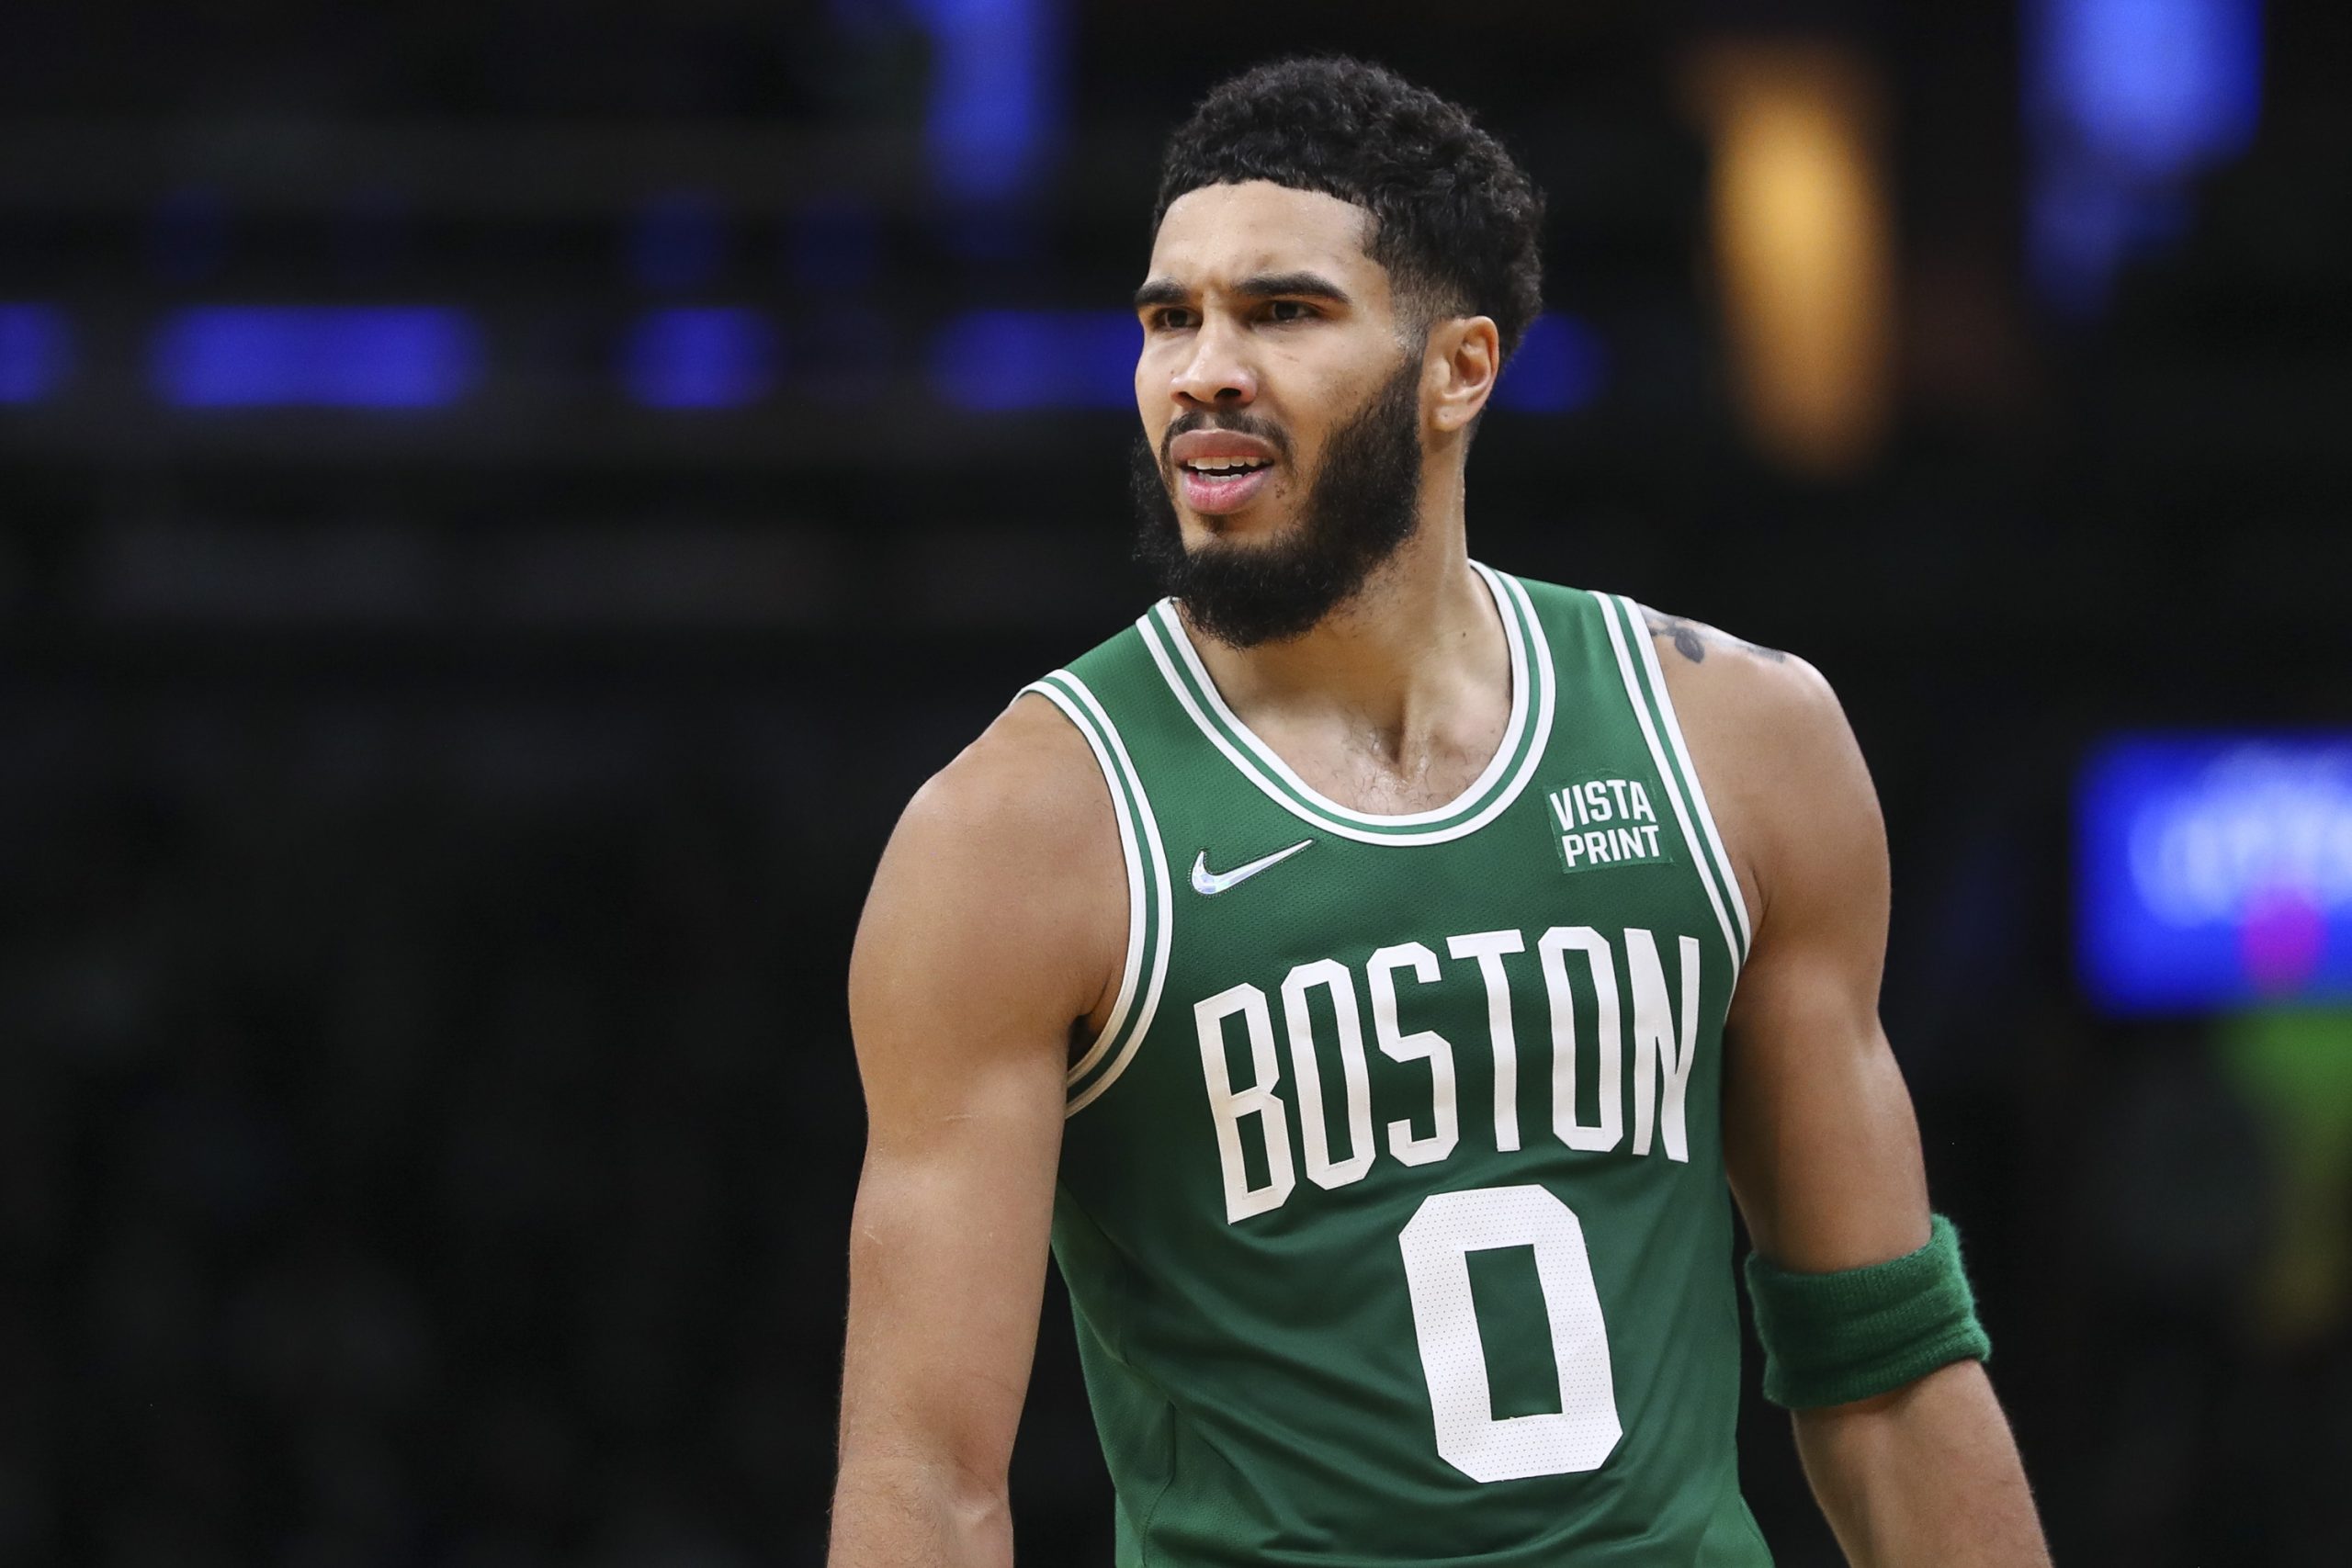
x: 1221, y: 470
x: 1213, y: 485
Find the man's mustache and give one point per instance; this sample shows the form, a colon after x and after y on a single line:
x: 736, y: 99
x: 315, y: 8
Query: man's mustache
x: 1234, y: 423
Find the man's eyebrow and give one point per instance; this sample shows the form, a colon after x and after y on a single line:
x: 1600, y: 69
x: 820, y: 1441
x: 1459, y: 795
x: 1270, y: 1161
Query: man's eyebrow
x: 1160, y: 291
x: 1274, y: 285
x: 1260, y: 286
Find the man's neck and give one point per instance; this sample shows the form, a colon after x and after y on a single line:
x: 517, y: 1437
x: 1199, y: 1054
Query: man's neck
x: 1416, y: 665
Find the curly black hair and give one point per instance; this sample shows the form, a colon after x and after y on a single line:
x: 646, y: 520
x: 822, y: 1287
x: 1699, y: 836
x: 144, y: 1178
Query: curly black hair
x: 1456, y: 222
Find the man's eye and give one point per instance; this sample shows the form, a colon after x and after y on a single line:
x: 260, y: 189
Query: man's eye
x: 1171, y: 320
x: 1288, y: 311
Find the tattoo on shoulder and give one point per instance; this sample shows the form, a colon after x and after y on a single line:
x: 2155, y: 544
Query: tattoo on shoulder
x: 1691, y: 638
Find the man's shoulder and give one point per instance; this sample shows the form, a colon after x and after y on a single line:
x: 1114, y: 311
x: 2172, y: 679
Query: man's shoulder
x: 1781, y: 771
x: 1004, y: 875
x: 1734, y: 681
x: 1024, y: 785
x: 1032, y: 784
x: 1719, y: 678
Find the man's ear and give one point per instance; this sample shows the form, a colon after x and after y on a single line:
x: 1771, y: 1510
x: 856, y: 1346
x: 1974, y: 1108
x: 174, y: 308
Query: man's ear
x: 1464, y: 356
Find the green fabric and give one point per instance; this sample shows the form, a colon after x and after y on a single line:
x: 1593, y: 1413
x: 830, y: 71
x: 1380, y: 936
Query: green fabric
x: 1833, y: 1338
x: 1392, y: 1202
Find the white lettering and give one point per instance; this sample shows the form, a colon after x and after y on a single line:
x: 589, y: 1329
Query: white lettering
x: 1608, y: 1038
x: 1315, y: 1136
x: 1655, y: 1049
x: 1488, y: 948
x: 1596, y: 800
x: 1380, y: 974
x: 1228, y: 1109
x: 1642, y: 811
x: 1596, y: 846
x: 1244, y: 1086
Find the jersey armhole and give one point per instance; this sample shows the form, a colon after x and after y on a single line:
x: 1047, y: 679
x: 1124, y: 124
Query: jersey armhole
x: 1670, y: 754
x: 1146, y: 966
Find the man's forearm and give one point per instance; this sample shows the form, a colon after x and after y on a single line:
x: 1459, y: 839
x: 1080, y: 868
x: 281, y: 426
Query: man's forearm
x: 1924, y: 1477
x: 908, y: 1514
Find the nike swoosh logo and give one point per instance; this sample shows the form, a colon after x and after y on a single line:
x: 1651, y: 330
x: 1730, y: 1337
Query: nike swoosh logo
x: 1209, y: 883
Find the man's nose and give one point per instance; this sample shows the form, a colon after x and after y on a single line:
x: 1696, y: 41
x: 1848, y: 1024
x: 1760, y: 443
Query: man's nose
x: 1217, y: 374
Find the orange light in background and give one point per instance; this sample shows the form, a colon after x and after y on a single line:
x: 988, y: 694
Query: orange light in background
x: 1801, y: 245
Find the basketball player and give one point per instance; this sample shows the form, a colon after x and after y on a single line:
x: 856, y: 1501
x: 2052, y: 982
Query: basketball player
x: 1377, y: 975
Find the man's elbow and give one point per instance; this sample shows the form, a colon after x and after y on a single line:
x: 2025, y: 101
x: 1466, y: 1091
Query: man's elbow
x: 893, y: 1508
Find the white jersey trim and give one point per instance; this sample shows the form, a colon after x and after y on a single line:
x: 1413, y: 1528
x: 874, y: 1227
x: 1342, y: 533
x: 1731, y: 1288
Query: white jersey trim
x: 1699, y: 866
x: 1138, y: 837
x: 1730, y: 873
x: 1513, y: 730
x: 1531, y: 659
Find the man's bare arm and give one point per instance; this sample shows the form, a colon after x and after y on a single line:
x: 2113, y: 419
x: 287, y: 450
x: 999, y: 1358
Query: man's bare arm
x: 995, y: 924
x: 1820, y: 1137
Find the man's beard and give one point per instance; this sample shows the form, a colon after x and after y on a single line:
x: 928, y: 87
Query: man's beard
x: 1363, y: 505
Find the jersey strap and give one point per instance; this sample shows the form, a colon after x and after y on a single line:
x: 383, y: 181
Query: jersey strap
x: 1662, y: 732
x: 1146, y: 969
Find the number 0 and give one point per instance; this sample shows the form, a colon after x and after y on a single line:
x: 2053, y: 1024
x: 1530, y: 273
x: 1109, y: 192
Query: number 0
x: 1437, y: 1245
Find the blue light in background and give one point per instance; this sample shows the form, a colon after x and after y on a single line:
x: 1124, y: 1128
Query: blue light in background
x: 999, y: 360
x: 2159, y: 85
x: 2215, y: 870
x: 701, y: 357
x: 2080, y: 225
x: 36, y: 351
x: 996, y: 93
x: 1559, y: 367
x: 679, y: 241
x: 2126, y: 102
x: 374, y: 356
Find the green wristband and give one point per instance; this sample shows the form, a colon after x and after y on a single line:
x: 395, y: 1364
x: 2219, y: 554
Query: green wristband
x: 1833, y: 1338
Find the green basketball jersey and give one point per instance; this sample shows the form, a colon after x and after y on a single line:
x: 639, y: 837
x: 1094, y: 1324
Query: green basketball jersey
x: 1392, y: 1202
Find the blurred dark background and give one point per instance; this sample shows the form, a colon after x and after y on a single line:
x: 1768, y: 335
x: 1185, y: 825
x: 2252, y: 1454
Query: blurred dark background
x: 502, y: 503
